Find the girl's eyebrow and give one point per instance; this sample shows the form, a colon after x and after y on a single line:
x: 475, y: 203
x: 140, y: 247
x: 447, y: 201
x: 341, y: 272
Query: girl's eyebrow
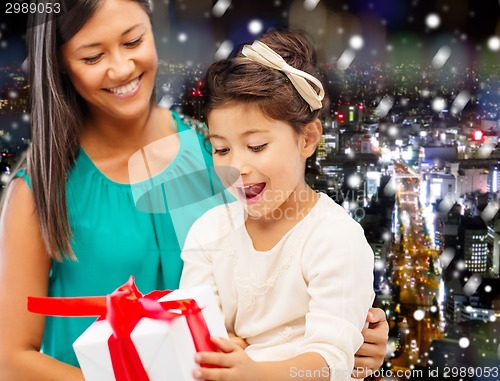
x: 94, y: 44
x: 214, y: 136
x: 246, y: 133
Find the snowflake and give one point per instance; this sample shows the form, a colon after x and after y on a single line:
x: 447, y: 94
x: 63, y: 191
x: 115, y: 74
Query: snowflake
x: 354, y: 181
x: 356, y: 42
x: 441, y: 57
x: 464, y: 342
x: 310, y: 4
x: 182, y: 37
x: 494, y: 43
x: 384, y: 106
x: 419, y: 315
x: 438, y: 104
x: 220, y: 7
x: 432, y: 20
x: 345, y: 60
x: 255, y: 26
x: 224, y: 50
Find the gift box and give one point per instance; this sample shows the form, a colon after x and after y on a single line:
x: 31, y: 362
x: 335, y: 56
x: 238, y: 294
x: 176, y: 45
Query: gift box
x: 141, y: 338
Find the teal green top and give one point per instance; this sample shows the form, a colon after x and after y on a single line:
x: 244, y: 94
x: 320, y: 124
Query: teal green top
x: 128, y: 229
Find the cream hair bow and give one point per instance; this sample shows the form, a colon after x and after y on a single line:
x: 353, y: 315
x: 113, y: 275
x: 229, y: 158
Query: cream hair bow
x: 263, y: 54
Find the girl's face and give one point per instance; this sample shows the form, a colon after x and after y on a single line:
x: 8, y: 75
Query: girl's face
x: 112, y: 60
x: 268, y: 154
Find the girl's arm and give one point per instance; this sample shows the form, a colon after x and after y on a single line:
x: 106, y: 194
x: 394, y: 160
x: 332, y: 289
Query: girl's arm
x: 24, y: 270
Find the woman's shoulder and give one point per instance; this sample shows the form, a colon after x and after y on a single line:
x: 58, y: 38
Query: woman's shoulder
x: 22, y: 173
x: 187, y: 122
x: 18, y: 202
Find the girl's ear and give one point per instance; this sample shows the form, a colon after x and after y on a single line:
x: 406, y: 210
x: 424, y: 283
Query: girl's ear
x: 310, y: 138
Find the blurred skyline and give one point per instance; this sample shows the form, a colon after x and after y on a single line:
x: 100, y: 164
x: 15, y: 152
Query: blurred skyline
x: 391, y: 30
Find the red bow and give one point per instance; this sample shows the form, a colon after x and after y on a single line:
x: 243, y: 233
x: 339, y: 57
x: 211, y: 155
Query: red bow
x: 123, y: 309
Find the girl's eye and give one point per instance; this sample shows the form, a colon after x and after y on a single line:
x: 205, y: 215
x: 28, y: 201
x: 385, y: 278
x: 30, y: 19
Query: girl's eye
x: 134, y: 43
x: 222, y: 151
x: 258, y: 148
x: 92, y: 60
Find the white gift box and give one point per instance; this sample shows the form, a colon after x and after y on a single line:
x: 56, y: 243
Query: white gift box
x: 205, y: 298
x: 166, y: 349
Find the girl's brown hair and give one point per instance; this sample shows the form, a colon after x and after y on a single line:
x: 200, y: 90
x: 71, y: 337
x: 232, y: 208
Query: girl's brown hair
x: 240, y: 79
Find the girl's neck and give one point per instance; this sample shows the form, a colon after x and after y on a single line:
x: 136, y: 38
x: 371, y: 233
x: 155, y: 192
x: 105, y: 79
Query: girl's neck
x: 301, y: 202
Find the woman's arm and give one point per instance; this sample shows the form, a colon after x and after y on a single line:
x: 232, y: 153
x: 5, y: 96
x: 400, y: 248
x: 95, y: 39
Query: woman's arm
x: 24, y: 271
x: 371, y: 354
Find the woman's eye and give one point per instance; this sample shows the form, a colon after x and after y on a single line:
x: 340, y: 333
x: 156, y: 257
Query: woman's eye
x: 257, y: 148
x: 222, y: 151
x: 92, y: 60
x: 134, y: 43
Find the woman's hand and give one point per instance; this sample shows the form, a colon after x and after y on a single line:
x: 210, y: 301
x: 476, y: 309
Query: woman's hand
x: 371, y: 354
x: 233, y: 363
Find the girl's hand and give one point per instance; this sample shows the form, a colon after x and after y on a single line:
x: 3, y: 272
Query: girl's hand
x: 238, y: 340
x: 234, y: 363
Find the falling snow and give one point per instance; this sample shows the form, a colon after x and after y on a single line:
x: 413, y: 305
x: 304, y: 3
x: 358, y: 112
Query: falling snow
x: 346, y: 59
x: 460, y: 102
x: 224, y: 50
x: 441, y: 57
x: 220, y: 7
x: 494, y: 43
x: 310, y: 4
x: 464, y: 342
x: 384, y: 106
x: 255, y: 26
x: 483, y: 153
x: 418, y: 315
x: 472, y: 284
x: 356, y: 42
x: 438, y: 104
x: 433, y: 20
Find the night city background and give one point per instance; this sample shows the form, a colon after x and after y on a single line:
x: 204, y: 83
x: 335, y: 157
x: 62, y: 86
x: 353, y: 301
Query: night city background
x: 410, y: 149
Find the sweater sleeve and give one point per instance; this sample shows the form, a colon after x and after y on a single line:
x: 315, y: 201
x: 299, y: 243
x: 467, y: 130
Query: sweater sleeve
x: 338, y: 268
x: 197, y: 257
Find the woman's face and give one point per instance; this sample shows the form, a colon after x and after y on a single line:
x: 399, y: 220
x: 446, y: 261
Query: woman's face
x: 112, y: 60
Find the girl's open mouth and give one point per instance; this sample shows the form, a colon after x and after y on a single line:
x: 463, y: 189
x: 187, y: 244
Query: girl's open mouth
x: 251, y: 192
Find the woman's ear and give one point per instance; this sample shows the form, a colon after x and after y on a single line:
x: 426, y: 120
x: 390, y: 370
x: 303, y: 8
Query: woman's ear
x: 311, y: 137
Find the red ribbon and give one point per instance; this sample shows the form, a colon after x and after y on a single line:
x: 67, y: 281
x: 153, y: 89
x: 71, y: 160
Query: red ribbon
x: 123, y: 309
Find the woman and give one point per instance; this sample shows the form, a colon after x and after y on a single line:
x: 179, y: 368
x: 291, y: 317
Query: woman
x: 72, y: 224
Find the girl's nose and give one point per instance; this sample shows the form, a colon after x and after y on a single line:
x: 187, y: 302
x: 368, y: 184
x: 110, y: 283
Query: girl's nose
x: 240, y: 164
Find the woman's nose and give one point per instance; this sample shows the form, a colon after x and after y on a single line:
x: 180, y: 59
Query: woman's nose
x: 121, y: 67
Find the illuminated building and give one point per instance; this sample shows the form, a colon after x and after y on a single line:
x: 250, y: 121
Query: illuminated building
x: 493, y: 185
x: 473, y: 245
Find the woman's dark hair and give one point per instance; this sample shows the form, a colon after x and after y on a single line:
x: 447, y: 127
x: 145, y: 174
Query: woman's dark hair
x: 240, y: 79
x: 57, y: 113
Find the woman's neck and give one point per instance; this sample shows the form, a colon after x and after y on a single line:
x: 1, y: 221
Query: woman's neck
x: 104, y: 135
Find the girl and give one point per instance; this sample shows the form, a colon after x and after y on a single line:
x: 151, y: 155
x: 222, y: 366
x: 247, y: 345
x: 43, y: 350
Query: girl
x: 292, y: 270
x: 72, y: 223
